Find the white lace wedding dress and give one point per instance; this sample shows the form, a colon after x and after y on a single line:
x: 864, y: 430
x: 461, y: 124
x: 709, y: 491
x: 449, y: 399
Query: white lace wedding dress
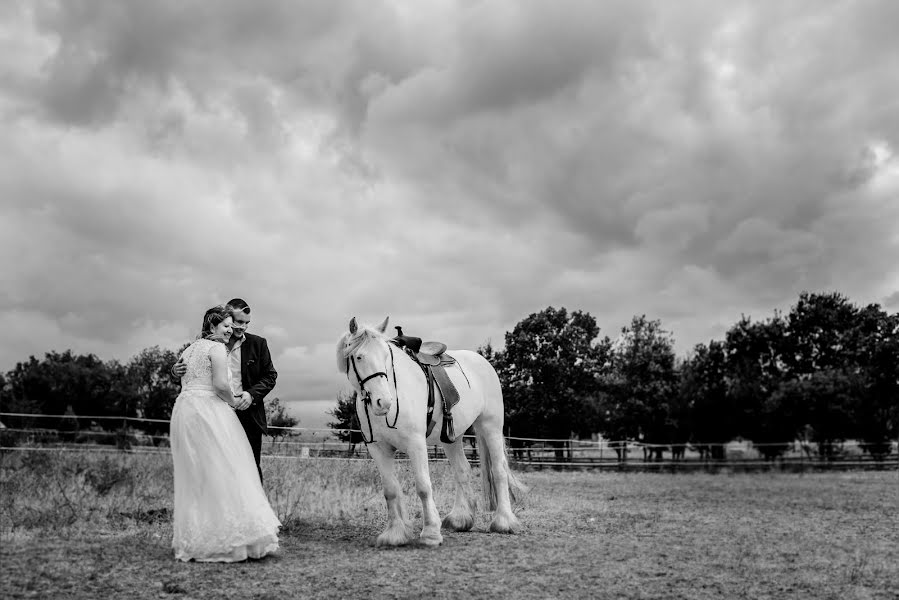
x: 221, y: 511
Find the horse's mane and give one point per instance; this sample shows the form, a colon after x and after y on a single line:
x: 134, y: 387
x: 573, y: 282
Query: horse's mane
x: 351, y: 342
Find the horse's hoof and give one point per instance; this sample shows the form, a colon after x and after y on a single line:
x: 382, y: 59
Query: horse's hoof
x: 391, y: 539
x: 430, y: 539
x: 430, y: 542
x: 458, y: 522
x: 505, y: 524
x: 381, y: 543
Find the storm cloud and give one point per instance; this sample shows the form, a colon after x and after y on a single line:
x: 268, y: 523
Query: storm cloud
x: 456, y: 165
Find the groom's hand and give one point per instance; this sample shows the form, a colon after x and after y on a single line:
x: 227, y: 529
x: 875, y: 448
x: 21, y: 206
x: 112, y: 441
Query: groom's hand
x: 244, y: 401
x: 179, y: 369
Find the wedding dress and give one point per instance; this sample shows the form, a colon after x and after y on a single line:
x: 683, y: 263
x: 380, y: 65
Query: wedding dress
x: 221, y: 511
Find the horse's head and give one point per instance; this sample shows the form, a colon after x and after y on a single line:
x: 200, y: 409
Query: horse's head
x: 364, y: 356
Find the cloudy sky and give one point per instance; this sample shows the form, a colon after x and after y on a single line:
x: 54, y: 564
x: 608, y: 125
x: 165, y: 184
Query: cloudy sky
x: 455, y: 165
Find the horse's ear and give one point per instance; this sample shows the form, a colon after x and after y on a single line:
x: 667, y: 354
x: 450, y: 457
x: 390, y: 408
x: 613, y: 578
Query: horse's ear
x: 341, y: 353
x: 383, y: 326
x: 353, y: 325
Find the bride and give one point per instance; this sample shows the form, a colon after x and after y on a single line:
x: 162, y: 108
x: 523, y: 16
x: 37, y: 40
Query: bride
x: 221, y: 511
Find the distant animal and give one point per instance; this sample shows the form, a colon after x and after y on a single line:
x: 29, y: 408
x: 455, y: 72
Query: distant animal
x: 620, y: 448
x: 392, y: 405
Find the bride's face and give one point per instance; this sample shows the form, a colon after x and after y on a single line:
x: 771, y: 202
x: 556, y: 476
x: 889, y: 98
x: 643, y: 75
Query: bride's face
x: 223, y: 330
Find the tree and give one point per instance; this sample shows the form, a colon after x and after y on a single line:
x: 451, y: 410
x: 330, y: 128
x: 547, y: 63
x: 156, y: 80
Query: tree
x: 6, y: 405
x: 817, y: 331
x: 489, y: 352
x: 549, y: 371
x: 346, y: 421
x: 825, y: 401
x: 151, y: 387
x: 876, y: 343
x: 62, y: 380
x: 703, y: 389
x: 24, y: 392
x: 277, y: 416
x: 845, y: 363
x: 4, y: 393
x: 642, y: 399
x: 755, y: 371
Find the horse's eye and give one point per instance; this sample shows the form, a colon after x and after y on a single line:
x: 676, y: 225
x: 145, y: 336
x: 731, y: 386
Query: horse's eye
x: 359, y: 357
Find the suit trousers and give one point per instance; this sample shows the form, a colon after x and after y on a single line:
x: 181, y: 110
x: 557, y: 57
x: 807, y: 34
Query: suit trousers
x: 254, y: 436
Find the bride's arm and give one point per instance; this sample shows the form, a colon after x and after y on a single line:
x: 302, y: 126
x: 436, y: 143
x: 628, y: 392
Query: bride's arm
x: 220, y: 382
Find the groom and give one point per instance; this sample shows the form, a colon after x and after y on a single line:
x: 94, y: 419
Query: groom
x: 252, y: 375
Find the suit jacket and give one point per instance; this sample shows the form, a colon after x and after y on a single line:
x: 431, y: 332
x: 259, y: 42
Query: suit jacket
x: 257, y: 376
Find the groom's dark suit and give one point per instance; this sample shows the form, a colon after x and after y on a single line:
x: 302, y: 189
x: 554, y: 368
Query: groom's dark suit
x: 257, y: 376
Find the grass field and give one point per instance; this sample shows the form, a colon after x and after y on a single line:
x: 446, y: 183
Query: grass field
x: 82, y: 525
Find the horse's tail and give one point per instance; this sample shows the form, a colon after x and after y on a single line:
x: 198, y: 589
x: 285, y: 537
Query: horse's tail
x: 488, y: 481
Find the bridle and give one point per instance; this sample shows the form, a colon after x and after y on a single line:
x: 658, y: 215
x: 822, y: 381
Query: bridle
x: 366, y: 395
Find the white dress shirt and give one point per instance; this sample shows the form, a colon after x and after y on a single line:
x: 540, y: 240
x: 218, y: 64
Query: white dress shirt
x: 234, y: 366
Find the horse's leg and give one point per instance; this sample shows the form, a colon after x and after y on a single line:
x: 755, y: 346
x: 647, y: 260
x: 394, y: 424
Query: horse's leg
x: 497, y: 479
x: 461, y: 518
x: 418, y: 460
x: 398, y: 531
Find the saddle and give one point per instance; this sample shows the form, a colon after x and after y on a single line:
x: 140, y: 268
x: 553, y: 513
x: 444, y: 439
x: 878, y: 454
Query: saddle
x: 433, y: 360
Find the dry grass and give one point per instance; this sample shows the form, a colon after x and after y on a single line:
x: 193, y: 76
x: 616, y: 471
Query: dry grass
x: 86, y: 526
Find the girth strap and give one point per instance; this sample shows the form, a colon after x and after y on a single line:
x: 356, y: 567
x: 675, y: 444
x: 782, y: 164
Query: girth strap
x: 429, y: 417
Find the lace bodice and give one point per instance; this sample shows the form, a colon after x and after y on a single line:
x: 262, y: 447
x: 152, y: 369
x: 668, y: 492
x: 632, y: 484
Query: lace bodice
x: 199, y: 365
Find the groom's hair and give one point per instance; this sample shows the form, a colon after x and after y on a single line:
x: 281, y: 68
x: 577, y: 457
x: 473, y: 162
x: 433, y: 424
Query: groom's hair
x: 237, y: 304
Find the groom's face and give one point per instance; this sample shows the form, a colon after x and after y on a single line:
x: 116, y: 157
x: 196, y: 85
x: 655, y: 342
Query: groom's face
x: 241, y: 321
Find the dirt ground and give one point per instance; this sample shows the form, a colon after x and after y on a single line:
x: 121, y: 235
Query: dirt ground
x: 586, y: 535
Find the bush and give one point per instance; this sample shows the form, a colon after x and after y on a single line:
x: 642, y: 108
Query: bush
x: 106, y: 474
x: 8, y: 439
x: 878, y: 450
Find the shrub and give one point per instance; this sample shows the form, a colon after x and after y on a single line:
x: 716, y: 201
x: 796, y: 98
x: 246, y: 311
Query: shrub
x: 106, y: 474
x: 8, y: 439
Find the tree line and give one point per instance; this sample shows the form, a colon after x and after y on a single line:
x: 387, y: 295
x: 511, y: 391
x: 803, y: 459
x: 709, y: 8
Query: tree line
x: 79, y: 386
x: 825, y: 372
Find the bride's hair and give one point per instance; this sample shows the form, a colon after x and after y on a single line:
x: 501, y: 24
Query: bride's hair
x: 211, y: 320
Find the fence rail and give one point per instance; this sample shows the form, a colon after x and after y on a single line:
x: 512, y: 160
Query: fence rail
x: 321, y: 443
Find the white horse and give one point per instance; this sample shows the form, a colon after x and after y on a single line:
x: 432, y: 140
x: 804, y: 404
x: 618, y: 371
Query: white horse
x: 391, y: 402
